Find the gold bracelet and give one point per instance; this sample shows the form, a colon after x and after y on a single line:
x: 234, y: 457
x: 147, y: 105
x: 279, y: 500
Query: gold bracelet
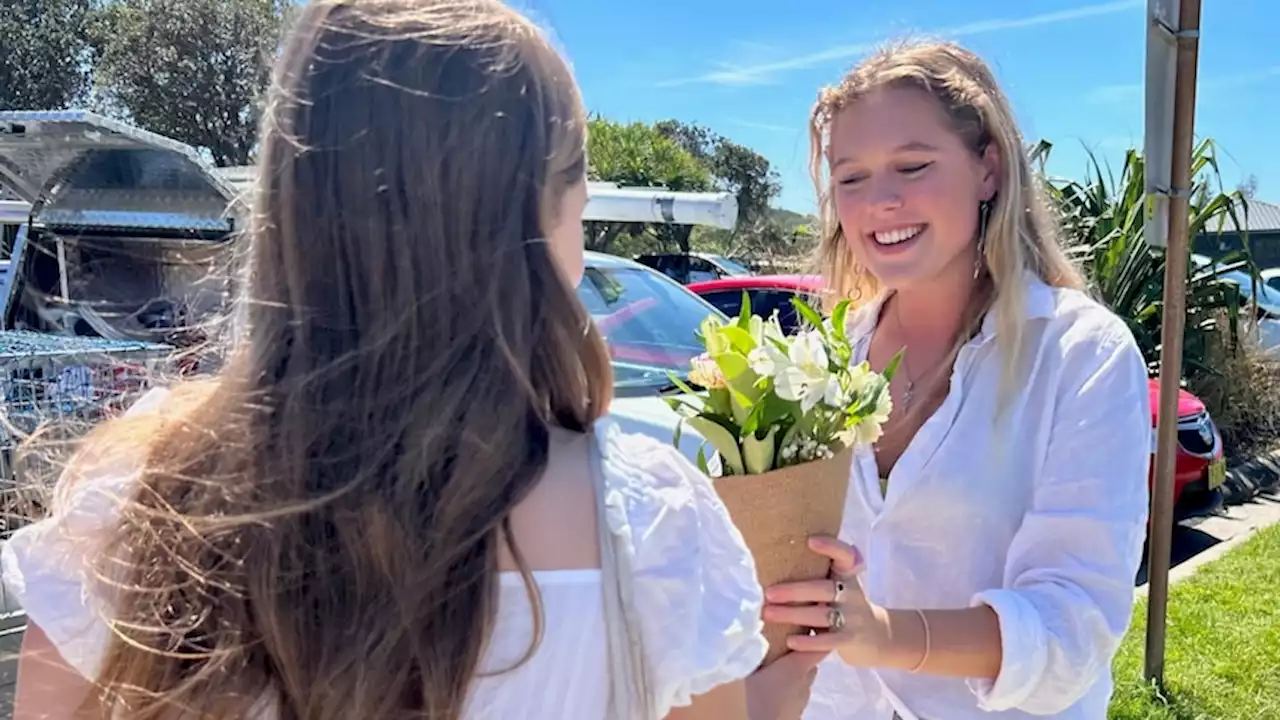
x: 928, y: 642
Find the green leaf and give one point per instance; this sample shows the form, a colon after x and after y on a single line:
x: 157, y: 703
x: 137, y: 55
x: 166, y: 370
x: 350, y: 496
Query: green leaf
x: 719, y: 402
x: 741, y: 406
x: 711, y: 337
x: 752, y: 421
x: 789, y: 437
x: 839, y: 317
x: 723, y: 441
x: 892, y: 368
x: 702, y: 460
x: 781, y: 345
x: 775, y: 410
x: 744, y: 314
x: 739, y: 339
x: 680, y: 383
x: 757, y: 455
x: 675, y: 440
x: 737, y: 373
x: 810, y: 315
x: 677, y: 404
x: 732, y: 364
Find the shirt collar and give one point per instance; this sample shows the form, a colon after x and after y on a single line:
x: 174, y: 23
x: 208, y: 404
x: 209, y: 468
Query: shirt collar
x: 1038, y: 303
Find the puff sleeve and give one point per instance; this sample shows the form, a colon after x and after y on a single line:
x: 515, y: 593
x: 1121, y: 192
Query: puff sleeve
x: 48, y: 565
x: 694, y: 580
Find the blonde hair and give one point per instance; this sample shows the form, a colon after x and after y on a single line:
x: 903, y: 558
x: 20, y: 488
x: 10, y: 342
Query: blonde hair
x: 1021, y: 234
x: 322, y: 520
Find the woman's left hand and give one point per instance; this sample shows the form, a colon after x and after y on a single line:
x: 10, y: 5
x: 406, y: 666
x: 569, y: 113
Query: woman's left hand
x: 846, y: 621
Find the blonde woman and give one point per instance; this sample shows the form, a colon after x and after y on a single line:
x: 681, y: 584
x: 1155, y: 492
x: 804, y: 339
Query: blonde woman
x: 986, y: 562
x: 398, y: 499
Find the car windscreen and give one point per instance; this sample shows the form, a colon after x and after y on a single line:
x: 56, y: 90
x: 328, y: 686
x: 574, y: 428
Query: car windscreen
x: 729, y: 265
x: 648, y: 321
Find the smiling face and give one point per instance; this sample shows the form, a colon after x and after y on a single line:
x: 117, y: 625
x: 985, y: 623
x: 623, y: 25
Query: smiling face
x: 906, y: 188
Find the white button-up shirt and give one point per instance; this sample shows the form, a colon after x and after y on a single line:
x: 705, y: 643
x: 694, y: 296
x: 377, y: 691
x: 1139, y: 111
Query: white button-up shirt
x: 1039, y: 512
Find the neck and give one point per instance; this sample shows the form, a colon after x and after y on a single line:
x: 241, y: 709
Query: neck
x: 933, y: 312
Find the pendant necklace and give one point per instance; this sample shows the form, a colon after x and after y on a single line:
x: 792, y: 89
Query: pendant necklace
x: 908, y: 391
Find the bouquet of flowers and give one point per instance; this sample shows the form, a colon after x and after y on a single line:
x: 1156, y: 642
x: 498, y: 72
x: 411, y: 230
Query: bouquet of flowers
x: 782, y: 414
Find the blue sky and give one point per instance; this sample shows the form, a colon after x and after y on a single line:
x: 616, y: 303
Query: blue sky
x: 750, y: 69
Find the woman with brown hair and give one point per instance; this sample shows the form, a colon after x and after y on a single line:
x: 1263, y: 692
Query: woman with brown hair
x: 397, y: 499
x: 1001, y: 516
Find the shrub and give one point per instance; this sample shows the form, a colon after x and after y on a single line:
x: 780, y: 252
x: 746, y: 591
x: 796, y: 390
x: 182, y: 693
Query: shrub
x: 1102, y: 219
x: 1241, y: 392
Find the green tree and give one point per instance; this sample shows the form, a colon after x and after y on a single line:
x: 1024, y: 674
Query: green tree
x: 45, y: 55
x: 194, y: 70
x: 735, y: 168
x: 637, y: 155
x: 747, y: 174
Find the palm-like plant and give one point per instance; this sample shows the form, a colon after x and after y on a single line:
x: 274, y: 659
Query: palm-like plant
x: 1102, y: 221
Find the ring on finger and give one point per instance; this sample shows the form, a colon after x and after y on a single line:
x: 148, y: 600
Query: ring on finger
x: 835, y: 619
x: 839, y: 594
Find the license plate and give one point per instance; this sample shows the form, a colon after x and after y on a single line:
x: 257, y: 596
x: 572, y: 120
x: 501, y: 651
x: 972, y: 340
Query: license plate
x: 1217, y: 473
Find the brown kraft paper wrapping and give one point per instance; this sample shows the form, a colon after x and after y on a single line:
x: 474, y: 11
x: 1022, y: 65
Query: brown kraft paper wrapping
x: 776, y: 513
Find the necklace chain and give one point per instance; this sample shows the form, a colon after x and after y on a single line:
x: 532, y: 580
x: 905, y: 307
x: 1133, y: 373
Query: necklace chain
x: 908, y: 392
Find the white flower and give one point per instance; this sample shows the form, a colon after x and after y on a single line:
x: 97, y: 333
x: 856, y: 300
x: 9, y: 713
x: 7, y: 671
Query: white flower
x: 867, y: 431
x: 773, y: 328
x: 808, y: 349
x: 870, y: 428
x: 859, y: 377
x: 806, y: 376
x: 766, y: 360
x: 833, y: 395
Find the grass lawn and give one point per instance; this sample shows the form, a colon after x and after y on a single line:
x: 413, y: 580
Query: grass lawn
x: 1223, y: 643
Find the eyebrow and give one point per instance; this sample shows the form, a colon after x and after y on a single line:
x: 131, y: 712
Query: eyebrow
x: 913, y: 146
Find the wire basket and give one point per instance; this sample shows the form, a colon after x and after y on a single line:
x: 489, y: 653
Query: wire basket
x: 66, y: 385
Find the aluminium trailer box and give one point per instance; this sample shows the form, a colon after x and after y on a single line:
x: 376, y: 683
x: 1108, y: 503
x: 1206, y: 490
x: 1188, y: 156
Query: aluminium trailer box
x: 117, y: 232
x: 126, y: 234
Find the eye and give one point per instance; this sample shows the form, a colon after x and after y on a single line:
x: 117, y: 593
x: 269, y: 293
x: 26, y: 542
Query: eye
x: 850, y: 180
x: 914, y: 169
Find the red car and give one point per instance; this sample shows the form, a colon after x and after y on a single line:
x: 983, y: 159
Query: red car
x: 1200, y: 465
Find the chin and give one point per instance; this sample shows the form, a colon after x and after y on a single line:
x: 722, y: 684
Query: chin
x: 896, y: 281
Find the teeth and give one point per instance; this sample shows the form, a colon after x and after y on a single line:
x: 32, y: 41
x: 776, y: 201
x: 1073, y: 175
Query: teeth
x: 893, y: 237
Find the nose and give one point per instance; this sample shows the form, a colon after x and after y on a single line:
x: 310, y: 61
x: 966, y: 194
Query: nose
x: 884, y: 194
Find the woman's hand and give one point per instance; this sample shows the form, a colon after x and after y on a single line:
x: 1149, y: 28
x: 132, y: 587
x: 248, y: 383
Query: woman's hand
x: 781, y: 690
x: 846, y: 621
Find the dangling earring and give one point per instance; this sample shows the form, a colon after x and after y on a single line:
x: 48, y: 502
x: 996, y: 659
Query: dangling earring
x: 984, y: 213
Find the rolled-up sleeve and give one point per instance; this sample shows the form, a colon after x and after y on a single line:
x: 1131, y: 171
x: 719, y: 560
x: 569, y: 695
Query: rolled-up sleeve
x: 1069, y: 578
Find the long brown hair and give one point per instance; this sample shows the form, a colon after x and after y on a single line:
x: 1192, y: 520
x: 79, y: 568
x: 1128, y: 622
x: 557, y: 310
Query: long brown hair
x: 1022, y: 234
x: 322, y: 520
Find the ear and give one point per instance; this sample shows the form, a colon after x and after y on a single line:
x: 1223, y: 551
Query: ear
x: 991, y: 165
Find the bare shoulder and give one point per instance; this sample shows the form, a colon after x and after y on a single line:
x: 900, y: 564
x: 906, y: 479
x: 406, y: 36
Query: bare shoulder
x: 555, y: 526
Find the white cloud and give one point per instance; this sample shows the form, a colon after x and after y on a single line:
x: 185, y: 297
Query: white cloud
x: 766, y: 73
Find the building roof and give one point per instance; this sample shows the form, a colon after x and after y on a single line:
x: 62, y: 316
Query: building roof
x: 1262, y: 217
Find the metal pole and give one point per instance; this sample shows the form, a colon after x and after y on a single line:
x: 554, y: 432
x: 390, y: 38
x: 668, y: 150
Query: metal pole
x: 1172, y: 324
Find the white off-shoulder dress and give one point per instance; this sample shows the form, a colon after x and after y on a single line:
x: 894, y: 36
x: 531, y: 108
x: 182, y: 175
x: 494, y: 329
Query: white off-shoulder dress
x: 693, y: 584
